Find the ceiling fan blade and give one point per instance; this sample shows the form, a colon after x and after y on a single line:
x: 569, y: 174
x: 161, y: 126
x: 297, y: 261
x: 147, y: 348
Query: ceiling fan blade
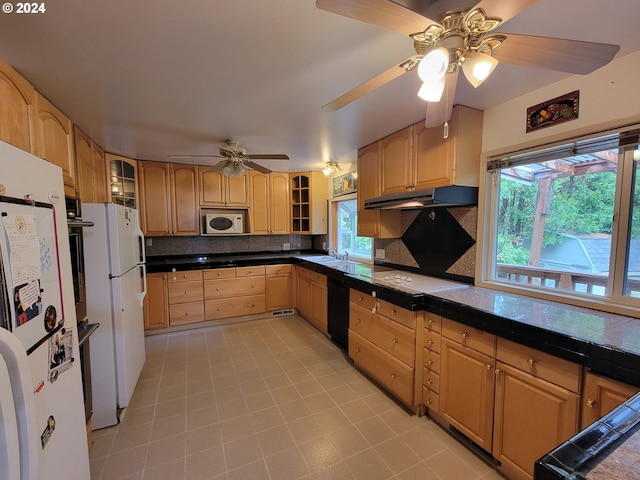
x: 368, y: 86
x: 572, y: 56
x: 268, y: 156
x: 217, y: 167
x: 440, y: 112
x: 256, y: 167
x: 381, y: 13
x: 194, y: 156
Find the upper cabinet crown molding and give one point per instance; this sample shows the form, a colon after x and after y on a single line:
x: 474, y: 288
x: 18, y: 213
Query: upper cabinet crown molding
x: 17, y: 109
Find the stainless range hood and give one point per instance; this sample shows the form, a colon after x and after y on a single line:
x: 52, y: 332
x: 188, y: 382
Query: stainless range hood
x: 451, y: 196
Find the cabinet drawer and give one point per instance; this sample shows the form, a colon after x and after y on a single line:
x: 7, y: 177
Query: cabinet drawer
x: 389, y: 310
x: 432, y: 340
x: 391, y: 336
x: 431, y: 360
x: 183, y: 313
x: 470, y: 337
x: 234, y: 307
x: 277, y: 269
x: 183, y: 292
x: 249, y: 271
x: 431, y: 399
x: 555, y: 370
x: 312, y: 276
x: 433, y: 322
x: 234, y: 287
x: 431, y: 380
x: 219, y: 273
x: 185, y: 276
x: 387, y: 370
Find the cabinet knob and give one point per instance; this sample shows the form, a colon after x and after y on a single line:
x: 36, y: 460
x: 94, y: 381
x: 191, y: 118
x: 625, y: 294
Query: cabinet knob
x: 185, y: 275
x: 253, y: 286
x: 253, y: 305
x: 357, y: 350
x: 395, y: 340
x: 393, y: 376
x: 218, y: 309
x: 430, y: 362
x: 429, y: 402
x: 430, y: 342
x: 359, y: 320
x: 219, y: 273
x: 489, y: 367
x: 186, y: 292
x: 360, y: 298
x: 164, y: 276
x: 430, y: 321
x: 498, y: 371
x: 429, y: 382
x: 590, y: 403
x: 217, y: 289
x: 465, y: 335
x: 393, y: 312
x: 532, y: 362
x: 186, y: 314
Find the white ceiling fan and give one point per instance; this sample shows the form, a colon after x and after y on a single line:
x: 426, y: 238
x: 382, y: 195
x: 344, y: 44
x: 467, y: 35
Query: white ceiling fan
x: 461, y: 38
x: 236, y: 159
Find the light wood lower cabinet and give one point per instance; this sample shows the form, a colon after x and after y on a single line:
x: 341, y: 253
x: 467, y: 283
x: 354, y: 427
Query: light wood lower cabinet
x: 156, y: 302
x: 278, y: 284
x: 431, y: 362
x: 311, y: 297
x: 600, y: 395
x: 234, y: 292
x: 382, y: 342
x: 185, y: 294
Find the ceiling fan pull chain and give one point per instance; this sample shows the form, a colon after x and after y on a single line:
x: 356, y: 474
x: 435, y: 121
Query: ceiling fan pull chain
x: 445, y: 134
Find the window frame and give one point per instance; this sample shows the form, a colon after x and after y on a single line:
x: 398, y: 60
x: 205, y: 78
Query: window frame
x: 333, y: 222
x: 614, y: 301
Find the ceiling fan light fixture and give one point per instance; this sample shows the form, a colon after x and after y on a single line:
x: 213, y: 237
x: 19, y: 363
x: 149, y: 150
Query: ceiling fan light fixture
x: 433, y: 65
x: 234, y: 169
x: 432, y: 91
x: 331, y: 167
x: 477, y: 67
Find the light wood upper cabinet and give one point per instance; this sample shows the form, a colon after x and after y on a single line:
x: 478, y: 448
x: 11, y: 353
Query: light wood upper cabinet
x: 309, y: 195
x: 216, y: 190
x: 55, y: 140
x: 169, y: 199
x: 396, y: 162
x: 17, y: 109
x: 123, y: 180
x: 92, y: 180
x: 601, y: 395
x: 184, y: 199
x: 454, y: 160
x: 269, y: 207
x: 373, y: 223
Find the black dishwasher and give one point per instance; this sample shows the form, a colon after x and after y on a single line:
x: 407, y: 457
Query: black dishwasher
x: 338, y: 312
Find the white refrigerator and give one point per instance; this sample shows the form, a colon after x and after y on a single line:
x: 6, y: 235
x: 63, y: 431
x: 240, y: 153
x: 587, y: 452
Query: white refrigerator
x: 42, y: 422
x: 115, y: 280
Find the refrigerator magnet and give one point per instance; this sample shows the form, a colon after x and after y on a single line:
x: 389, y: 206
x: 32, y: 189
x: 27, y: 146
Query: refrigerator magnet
x: 48, y: 431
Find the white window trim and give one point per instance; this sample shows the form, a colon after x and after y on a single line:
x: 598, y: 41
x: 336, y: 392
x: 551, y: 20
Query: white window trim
x: 486, y: 229
x: 333, y: 210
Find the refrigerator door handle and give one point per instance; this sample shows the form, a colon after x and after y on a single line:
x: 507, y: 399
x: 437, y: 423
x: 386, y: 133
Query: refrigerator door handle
x: 143, y: 257
x: 143, y: 294
x: 15, y: 357
x: 9, y: 444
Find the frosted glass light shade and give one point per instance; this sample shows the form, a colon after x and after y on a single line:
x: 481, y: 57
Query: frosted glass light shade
x: 432, y: 91
x: 433, y: 65
x: 477, y: 67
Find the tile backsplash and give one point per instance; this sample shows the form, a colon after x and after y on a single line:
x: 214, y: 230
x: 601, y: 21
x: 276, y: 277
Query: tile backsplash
x: 440, y: 242
x: 207, y: 245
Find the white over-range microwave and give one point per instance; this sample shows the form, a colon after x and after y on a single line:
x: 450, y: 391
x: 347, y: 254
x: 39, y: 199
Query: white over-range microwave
x: 224, y: 223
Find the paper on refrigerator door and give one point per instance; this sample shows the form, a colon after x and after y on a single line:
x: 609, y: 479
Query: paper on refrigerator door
x: 22, y: 236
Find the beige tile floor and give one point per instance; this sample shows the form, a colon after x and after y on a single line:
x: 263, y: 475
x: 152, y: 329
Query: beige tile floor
x: 269, y: 399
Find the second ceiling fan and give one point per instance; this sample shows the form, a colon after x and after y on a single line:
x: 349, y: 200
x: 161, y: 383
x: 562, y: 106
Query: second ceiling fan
x: 461, y: 38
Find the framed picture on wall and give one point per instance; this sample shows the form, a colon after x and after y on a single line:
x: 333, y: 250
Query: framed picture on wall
x: 554, y: 111
x: 344, y: 184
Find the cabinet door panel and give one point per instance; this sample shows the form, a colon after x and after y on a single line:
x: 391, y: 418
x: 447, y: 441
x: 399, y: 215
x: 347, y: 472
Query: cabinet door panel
x: 466, y: 391
x: 278, y: 292
x: 156, y: 194
x: 279, y: 208
x: 259, y: 210
x: 211, y: 187
x: 55, y: 139
x: 601, y: 395
x: 396, y: 162
x: 156, y: 312
x: 433, y: 159
x: 17, y: 109
x: 184, y: 189
x: 532, y: 416
x: 237, y: 191
x: 368, y: 187
x: 319, y: 305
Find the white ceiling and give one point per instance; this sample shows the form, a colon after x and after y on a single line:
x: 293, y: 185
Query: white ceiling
x: 149, y: 78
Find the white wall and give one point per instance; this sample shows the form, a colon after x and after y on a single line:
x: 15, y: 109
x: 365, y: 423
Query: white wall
x: 607, y: 95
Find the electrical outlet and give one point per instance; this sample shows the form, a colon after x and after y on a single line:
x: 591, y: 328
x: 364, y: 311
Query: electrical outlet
x: 286, y: 246
x: 148, y: 242
x: 324, y: 245
x: 380, y: 253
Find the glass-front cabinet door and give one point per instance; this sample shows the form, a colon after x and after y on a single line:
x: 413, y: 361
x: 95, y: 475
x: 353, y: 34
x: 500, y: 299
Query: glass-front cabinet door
x: 123, y: 180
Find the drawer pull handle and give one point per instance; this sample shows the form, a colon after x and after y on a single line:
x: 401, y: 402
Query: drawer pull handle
x: 532, y: 362
x: 465, y: 335
x: 395, y: 340
x: 393, y: 376
x: 590, y: 403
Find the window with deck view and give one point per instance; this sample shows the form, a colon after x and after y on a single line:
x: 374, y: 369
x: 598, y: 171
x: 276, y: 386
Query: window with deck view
x: 567, y: 218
